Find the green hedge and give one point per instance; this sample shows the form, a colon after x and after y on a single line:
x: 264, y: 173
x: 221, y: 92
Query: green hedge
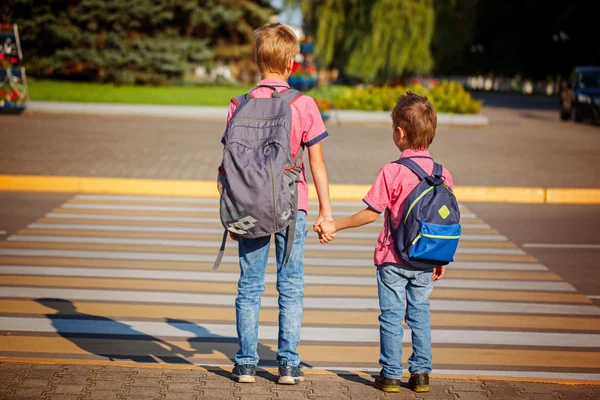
x: 447, y: 97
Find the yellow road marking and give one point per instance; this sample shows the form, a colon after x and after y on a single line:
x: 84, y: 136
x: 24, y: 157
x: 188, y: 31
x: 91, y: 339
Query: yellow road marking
x: 310, y: 290
x: 369, y: 270
x: 223, y: 352
x: 310, y: 317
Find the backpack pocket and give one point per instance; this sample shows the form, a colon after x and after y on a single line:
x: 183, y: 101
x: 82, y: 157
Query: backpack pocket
x: 436, y: 242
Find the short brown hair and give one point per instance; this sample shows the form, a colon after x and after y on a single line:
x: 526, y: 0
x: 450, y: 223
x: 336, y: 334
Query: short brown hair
x: 417, y: 117
x: 275, y: 46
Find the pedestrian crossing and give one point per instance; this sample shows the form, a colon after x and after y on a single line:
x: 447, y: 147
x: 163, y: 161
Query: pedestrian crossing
x: 129, y: 278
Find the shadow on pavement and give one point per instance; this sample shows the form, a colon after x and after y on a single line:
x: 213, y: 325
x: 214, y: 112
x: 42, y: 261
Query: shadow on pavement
x: 115, y: 340
x: 108, y: 339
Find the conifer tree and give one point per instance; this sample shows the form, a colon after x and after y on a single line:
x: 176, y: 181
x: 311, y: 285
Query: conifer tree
x: 142, y: 41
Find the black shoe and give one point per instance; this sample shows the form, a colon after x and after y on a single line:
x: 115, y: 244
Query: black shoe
x: 419, y: 382
x: 290, y: 375
x: 386, y: 384
x: 244, y: 373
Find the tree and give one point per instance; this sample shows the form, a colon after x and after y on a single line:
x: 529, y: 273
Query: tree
x: 454, y: 24
x: 142, y: 41
x: 374, y: 40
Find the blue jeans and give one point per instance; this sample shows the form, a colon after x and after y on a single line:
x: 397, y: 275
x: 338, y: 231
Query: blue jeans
x: 393, y: 283
x: 254, y: 254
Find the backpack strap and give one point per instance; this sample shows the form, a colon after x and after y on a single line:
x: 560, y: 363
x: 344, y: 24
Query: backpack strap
x: 438, y: 170
x: 290, y: 95
x: 276, y: 94
x: 413, y: 166
x: 221, y: 252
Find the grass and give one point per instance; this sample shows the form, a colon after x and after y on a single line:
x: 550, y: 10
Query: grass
x: 42, y: 90
x: 45, y: 90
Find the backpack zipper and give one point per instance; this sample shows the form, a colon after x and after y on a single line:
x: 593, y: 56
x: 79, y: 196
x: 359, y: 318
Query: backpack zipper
x: 416, y: 200
x: 420, y: 235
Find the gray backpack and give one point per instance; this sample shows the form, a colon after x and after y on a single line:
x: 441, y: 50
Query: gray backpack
x: 258, y: 175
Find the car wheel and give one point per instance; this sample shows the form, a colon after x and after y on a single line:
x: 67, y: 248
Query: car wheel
x: 564, y: 115
x: 575, y: 114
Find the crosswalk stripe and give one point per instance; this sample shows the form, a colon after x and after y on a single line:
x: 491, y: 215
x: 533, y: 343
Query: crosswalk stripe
x: 311, y: 239
x: 167, y: 278
x: 169, y: 254
x: 308, y: 334
x: 461, y: 269
x: 320, y: 286
x: 188, y: 200
x: 354, y: 303
x: 474, y: 223
x: 191, y: 244
x: 310, y: 317
x: 115, y: 229
x: 178, y: 209
x: 324, y: 354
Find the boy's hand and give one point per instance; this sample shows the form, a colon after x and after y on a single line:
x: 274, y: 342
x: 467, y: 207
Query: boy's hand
x: 326, y: 231
x: 438, y: 273
x: 317, y: 227
x: 233, y: 236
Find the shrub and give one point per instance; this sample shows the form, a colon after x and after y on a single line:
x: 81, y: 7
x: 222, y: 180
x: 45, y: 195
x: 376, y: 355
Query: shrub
x: 447, y: 97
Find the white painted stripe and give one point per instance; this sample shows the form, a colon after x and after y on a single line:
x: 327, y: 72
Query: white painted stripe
x: 562, y: 246
x: 342, y: 303
x: 2, y: 232
x: 118, y: 217
x: 108, y: 217
x: 368, y: 249
x: 196, y: 200
x: 497, y: 266
x: 205, y: 258
x: 327, y: 334
x: 593, y: 297
x: 169, y: 229
x: 127, y: 207
x: 213, y: 276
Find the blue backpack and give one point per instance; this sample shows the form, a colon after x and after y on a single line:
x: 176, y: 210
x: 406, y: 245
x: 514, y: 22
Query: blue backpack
x: 430, y: 228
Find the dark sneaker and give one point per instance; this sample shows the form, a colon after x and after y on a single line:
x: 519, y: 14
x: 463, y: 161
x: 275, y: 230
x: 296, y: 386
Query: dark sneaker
x: 386, y: 384
x: 244, y: 373
x: 290, y: 375
x: 419, y: 382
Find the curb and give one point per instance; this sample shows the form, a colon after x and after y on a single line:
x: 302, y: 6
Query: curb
x: 213, y: 112
x: 308, y: 371
x: 187, y: 188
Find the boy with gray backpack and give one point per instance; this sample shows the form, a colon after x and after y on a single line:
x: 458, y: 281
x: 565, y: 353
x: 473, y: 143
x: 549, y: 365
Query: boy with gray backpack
x: 419, y: 237
x: 264, y: 193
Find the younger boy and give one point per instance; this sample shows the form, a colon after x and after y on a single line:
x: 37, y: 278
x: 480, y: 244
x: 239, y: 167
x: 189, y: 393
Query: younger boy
x: 414, y: 123
x: 276, y: 47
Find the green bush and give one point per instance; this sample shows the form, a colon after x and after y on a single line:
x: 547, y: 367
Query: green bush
x: 447, y: 97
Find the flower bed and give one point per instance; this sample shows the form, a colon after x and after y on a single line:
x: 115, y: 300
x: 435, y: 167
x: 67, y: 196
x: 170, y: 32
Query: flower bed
x: 447, y: 97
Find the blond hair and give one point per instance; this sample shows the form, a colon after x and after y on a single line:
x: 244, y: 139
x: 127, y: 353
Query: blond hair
x: 275, y: 46
x: 417, y: 117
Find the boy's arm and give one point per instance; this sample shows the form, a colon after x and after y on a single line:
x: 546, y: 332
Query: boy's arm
x: 327, y: 229
x: 319, y: 173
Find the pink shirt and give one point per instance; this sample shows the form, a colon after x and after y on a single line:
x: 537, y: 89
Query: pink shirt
x: 390, y: 190
x: 308, y: 128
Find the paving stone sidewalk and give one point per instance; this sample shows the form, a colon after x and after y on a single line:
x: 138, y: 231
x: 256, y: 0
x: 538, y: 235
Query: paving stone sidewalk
x: 78, y: 382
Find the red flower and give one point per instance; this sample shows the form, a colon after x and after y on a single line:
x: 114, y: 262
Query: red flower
x: 14, y: 60
x: 1, y: 56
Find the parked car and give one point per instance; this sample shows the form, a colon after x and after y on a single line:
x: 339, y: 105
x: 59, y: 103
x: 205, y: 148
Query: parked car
x: 580, y: 99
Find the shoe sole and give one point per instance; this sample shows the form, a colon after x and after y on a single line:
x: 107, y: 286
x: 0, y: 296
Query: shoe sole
x: 244, y: 378
x: 388, y: 389
x: 421, y: 389
x: 290, y: 380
